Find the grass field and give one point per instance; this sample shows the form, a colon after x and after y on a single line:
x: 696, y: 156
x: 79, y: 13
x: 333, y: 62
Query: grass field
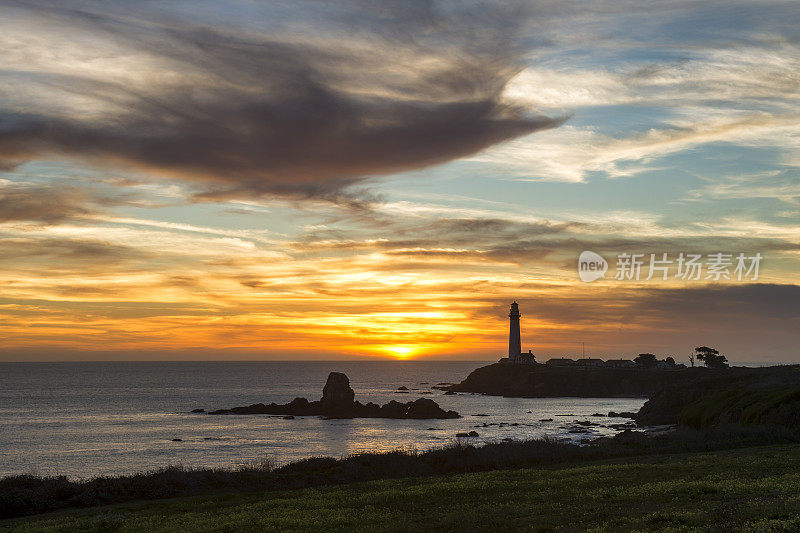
x: 752, y: 489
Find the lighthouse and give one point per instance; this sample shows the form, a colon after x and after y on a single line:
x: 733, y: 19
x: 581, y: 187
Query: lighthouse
x: 514, y: 344
x: 515, y: 354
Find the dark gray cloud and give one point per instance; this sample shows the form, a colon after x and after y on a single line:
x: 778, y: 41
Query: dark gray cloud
x: 753, y: 300
x: 249, y: 112
x: 712, y: 306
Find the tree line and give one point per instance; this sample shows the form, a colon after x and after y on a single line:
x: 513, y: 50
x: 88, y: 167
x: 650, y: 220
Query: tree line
x: 710, y: 357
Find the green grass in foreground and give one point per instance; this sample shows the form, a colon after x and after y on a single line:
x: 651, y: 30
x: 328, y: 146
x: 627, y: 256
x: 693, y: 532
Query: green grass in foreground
x: 752, y: 489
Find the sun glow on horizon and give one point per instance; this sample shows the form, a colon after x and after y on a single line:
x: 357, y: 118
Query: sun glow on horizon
x: 402, y: 351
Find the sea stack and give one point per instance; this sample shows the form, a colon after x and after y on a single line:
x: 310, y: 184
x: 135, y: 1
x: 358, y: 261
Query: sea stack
x: 338, y: 401
x: 337, y: 395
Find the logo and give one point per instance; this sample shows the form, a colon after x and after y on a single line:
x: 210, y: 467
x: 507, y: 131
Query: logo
x: 591, y: 266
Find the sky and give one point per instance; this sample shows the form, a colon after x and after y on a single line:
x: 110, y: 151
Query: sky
x: 350, y: 180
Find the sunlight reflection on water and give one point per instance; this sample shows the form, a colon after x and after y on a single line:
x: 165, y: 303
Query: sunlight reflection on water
x: 86, y: 419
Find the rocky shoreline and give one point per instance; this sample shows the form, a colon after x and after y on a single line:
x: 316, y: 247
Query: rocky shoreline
x: 338, y: 401
x: 694, y: 397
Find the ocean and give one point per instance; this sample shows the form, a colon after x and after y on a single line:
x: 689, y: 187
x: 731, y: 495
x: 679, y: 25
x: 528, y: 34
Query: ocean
x: 109, y: 418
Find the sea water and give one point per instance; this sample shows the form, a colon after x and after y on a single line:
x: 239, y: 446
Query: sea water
x: 107, y: 418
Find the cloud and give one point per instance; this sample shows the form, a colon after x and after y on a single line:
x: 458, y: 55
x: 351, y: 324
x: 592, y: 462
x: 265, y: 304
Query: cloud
x: 247, y: 111
x: 657, y: 99
x: 753, y: 300
x: 59, y: 253
x: 570, y: 154
x: 774, y: 185
x: 40, y: 204
x: 556, y: 244
x: 673, y: 307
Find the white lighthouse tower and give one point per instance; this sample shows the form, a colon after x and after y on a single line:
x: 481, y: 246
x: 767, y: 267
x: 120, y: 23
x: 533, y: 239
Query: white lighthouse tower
x: 514, y: 344
x: 515, y: 354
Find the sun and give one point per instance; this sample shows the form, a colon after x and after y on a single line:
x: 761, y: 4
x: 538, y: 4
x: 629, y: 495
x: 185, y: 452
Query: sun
x: 401, y: 351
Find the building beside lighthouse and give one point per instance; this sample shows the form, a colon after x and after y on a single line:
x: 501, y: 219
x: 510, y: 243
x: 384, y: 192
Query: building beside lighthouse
x: 515, y: 354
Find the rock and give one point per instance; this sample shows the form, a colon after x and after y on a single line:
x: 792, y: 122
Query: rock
x: 427, y: 408
x: 371, y: 410
x: 631, y: 437
x: 623, y: 414
x: 473, y: 434
x: 462, y: 434
x: 197, y: 411
x: 177, y: 440
x: 337, y: 396
x: 338, y: 402
x: 598, y: 414
x: 666, y: 406
x: 299, y: 404
x: 393, y: 409
x: 449, y: 393
x: 545, y: 420
x: 626, y: 425
x: 254, y: 409
x: 402, y: 387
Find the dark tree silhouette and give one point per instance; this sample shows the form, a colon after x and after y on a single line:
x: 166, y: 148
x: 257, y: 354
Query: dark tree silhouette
x: 710, y: 357
x: 646, y: 360
x: 670, y: 361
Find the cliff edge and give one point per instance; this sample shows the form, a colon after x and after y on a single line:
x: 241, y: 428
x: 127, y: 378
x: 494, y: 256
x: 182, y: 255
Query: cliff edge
x: 542, y: 381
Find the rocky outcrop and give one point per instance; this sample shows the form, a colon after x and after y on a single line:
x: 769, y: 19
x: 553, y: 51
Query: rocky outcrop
x: 542, y: 381
x: 744, y: 396
x: 695, y: 397
x: 338, y: 402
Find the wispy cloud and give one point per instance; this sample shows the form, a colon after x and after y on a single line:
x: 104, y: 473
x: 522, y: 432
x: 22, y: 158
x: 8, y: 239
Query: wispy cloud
x: 132, y: 115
